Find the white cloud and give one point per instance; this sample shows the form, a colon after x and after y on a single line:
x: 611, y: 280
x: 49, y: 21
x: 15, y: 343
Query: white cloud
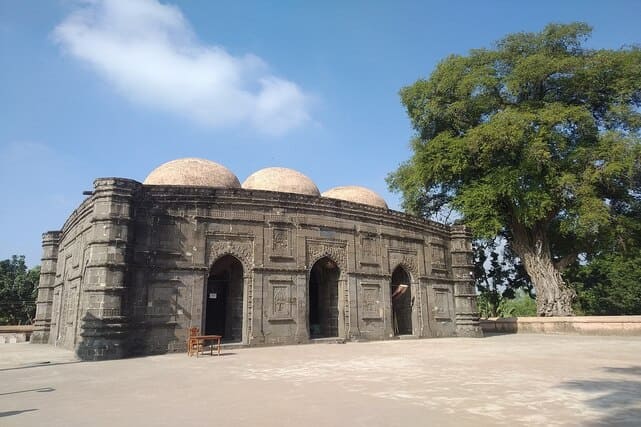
x: 149, y: 52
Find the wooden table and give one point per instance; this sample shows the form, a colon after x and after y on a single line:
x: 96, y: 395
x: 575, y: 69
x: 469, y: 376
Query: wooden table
x: 198, y: 341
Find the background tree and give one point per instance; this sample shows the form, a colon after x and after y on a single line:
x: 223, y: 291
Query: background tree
x: 499, y: 275
x: 609, y: 281
x: 18, y: 291
x: 536, y: 139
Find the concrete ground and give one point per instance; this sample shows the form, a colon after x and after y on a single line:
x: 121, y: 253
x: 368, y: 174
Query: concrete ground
x: 506, y: 380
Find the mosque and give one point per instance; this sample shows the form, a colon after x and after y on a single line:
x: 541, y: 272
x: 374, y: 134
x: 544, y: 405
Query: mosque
x: 272, y: 261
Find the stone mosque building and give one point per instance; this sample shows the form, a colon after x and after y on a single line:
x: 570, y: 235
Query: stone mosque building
x: 271, y: 261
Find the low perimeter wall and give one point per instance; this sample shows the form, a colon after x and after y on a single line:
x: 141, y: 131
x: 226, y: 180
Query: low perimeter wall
x: 15, y: 333
x: 581, y: 325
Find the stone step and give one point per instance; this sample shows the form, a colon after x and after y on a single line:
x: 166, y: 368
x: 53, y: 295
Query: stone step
x: 406, y: 337
x: 232, y: 345
x: 331, y: 340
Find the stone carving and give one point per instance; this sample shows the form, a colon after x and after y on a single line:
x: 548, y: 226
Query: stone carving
x: 438, y: 256
x: 443, y: 307
x: 241, y: 249
x: 462, y: 259
x: 369, y: 247
x: 335, y: 250
x: 410, y: 263
x: 404, y: 258
x: 369, y: 251
x: 280, y: 240
x: 100, y: 313
x: 371, y: 301
x: 460, y: 245
x: 281, y: 301
x: 250, y: 302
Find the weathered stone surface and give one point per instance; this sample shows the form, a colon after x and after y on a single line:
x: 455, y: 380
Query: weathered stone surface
x: 281, y: 179
x: 356, y: 194
x: 135, y: 266
x: 579, y: 325
x: 193, y: 171
x: 13, y: 334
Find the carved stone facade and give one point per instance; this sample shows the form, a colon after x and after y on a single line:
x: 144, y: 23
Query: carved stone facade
x: 135, y: 266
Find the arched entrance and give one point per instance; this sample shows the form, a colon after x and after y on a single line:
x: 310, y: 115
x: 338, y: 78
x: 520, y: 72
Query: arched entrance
x: 224, y: 300
x: 401, y: 295
x: 323, y: 299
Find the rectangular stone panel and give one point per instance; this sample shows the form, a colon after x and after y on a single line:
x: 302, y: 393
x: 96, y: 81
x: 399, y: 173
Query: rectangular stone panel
x: 462, y: 258
x: 461, y: 245
x: 370, y: 250
x: 443, y: 304
x: 162, y: 301
x: 438, y: 256
x: 371, y: 301
x: 280, y: 244
x: 281, y: 299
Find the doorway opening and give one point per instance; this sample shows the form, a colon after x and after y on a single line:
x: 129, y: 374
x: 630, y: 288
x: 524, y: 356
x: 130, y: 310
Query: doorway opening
x: 224, y: 300
x: 323, y: 299
x: 402, y: 301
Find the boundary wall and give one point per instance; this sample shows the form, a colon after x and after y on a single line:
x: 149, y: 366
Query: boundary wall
x: 579, y: 325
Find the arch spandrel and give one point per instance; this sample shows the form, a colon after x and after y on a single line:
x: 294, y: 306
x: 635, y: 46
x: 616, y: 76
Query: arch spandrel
x: 337, y: 252
x: 407, y: 264
x: 408, y: 259
x: 243, y: 250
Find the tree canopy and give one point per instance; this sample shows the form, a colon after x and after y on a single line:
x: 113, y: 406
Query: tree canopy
x: 18, y: 291
x: 536, y: 140
x: 609, y: 282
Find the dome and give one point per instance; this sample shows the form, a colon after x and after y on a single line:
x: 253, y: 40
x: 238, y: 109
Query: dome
x: 281, y: 179
x: 193, y: 172
x: 356, y: 194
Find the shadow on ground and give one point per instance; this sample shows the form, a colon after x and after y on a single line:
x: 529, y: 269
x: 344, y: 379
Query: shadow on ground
x: 38, y: 390
x: 618, y: 400
x: 11, y: 413
x: 39, y: 365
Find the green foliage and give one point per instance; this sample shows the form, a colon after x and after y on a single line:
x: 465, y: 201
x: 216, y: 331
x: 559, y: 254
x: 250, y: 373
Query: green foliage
x: 609, y: 284
x: 499, y: 275
x: 18, y: 291
x: 522, y: 305
x: 538, y: 128
x: 497, y: 305
x: 536, y: 140
x: 488, y: 304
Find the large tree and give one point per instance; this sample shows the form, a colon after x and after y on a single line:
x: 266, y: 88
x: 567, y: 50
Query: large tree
x: 18, y: 291
x: 536, y: 140
x: 609, y: 281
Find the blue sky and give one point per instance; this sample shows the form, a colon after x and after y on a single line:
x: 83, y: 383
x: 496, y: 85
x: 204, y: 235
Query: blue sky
x: 115, y: 88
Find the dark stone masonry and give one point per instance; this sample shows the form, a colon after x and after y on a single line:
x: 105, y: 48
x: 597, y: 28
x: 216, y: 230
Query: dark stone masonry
x: 136, y: 265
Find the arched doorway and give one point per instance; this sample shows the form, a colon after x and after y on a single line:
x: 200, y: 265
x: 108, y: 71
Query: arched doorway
x: 224, y: 300
x: 401, y: 295
x: 323, y: 299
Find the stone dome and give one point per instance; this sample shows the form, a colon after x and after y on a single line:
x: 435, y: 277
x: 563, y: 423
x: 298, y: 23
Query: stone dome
x: 281, y: 179
x: 193, y: 172
x: 356, y: 194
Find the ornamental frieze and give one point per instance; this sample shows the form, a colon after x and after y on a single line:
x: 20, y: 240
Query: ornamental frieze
x: 242, y: 247
x: 336, y: 250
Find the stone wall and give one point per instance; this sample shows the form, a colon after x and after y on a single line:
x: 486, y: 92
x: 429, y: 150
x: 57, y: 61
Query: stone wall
x: 133, y: 264
x: 580, y: 325
x: 15, y: 333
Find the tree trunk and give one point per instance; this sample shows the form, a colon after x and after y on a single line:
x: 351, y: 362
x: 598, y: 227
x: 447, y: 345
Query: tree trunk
x: 553, y: 296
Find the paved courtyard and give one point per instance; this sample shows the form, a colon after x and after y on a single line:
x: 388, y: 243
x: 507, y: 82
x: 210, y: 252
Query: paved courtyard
x: 508, y: 380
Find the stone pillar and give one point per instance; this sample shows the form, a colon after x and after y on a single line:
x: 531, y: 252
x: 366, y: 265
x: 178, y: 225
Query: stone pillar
x: 467, y: 316
x: 103, y: 323
x: 42, y: 321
